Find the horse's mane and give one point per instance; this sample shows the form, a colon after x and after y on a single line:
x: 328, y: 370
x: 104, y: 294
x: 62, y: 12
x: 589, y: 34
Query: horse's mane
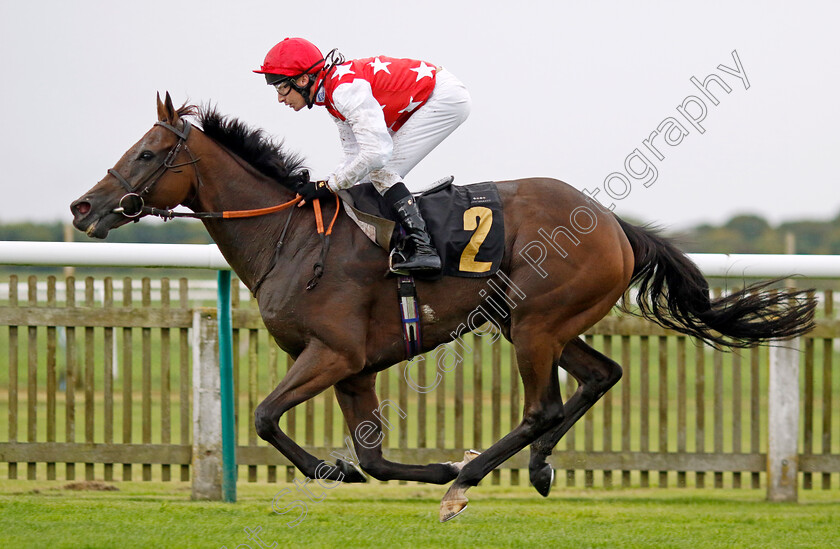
x: 253, y: 145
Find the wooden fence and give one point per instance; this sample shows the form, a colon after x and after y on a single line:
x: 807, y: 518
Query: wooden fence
x: 102, y: 381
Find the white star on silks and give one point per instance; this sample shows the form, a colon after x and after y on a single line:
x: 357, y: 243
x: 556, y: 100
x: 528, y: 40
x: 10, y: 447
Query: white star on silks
x: 423, y: 71
x: 411, y: 105
x: 379, y: 65
x: 343, y: 70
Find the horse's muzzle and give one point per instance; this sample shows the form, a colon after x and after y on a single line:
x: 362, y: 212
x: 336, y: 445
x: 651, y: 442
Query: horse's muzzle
x: 94, y: 221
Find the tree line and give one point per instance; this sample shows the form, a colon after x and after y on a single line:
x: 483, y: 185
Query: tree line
x: 753, y: 234
x: 740, y: 234
x: 176, y: 231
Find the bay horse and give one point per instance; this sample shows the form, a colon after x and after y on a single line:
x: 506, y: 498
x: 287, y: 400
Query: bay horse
x: 567, y: 262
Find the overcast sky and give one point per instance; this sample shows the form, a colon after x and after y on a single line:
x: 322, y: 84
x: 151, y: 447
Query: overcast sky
x: 561, y: 89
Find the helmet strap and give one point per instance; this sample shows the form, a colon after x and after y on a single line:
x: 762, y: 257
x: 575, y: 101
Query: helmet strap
x: 332, y: 59
x: 304, y: 91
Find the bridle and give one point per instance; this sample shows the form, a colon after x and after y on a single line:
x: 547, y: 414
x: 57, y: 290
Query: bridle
x: 132, y: 204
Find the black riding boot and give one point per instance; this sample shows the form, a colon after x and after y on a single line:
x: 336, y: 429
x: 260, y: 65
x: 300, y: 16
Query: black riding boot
x: 419, y: 254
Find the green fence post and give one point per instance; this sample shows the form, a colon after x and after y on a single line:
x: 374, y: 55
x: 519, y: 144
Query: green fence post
x: 226, y: 374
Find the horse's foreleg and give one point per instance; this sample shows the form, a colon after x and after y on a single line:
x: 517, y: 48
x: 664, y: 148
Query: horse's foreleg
x: 596, y: 374
x: 364, y: 415
x: 316, y: 369
x: 543, y: 409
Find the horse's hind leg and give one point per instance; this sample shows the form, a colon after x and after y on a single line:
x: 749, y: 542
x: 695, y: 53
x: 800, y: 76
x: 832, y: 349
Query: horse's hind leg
x: 596, y: 374
x: 535, y: 353
x: 364, y: 415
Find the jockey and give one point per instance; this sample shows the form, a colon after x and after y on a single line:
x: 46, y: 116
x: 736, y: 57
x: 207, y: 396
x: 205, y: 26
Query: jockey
x: 390, y: 114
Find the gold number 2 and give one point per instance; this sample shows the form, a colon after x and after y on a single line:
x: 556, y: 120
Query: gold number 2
x: 478, y: 219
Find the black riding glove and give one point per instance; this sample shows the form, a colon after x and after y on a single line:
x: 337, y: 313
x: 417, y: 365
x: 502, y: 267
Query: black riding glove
x: 313, y: 190
x: 298, y: 179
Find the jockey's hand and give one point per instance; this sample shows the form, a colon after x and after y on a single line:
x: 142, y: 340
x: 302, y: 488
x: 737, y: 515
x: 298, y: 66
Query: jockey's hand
x: 312, y: 190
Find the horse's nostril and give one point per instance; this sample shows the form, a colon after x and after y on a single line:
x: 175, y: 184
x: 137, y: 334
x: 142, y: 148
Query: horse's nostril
x: 82, y: 207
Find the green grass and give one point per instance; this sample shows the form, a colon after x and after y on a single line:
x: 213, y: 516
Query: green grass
x: 44, y: 514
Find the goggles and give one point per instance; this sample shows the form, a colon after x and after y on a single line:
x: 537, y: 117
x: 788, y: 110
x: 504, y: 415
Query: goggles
x: 283, y: 88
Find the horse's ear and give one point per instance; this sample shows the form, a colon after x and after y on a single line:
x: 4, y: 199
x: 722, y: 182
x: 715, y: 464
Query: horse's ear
x: 166, y: 111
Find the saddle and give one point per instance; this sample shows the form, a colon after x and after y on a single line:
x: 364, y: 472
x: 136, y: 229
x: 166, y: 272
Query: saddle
x: 465, y: 223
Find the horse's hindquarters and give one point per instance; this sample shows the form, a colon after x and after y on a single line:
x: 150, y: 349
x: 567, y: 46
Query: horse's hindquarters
x: 569, y: 258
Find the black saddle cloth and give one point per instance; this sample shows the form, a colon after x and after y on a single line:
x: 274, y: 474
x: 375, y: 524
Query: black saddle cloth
x: 465, y: 223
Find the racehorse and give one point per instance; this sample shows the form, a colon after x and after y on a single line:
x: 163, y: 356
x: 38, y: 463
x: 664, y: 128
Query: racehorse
x: 567, y: 261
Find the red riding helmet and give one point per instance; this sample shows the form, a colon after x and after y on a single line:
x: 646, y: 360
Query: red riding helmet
x: 290, y: 58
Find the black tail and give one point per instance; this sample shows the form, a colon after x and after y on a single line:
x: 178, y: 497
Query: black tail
x: 674, y: 294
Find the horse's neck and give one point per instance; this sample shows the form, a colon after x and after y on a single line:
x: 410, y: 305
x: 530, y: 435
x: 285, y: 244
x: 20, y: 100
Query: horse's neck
x: 227, y: 184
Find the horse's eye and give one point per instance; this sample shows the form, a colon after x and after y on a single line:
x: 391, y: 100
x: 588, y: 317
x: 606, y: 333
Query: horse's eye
x: 146, y: 155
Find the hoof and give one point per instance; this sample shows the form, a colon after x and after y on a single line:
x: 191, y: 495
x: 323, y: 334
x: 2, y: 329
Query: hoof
x: 543, y: 479
x: 449, y: 509
x: 351, y: 474
x: 453, y: 503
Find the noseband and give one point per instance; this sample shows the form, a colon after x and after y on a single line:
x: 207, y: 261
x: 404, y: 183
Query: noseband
x: 132, y: 203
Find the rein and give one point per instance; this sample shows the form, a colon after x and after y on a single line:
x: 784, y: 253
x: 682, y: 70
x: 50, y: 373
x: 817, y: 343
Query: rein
x: 228, y: 214
x: 133, y: 206
x: 322, y: 233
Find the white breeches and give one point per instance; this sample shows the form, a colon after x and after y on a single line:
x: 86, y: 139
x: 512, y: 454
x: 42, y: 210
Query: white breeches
x: 445, y: 110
